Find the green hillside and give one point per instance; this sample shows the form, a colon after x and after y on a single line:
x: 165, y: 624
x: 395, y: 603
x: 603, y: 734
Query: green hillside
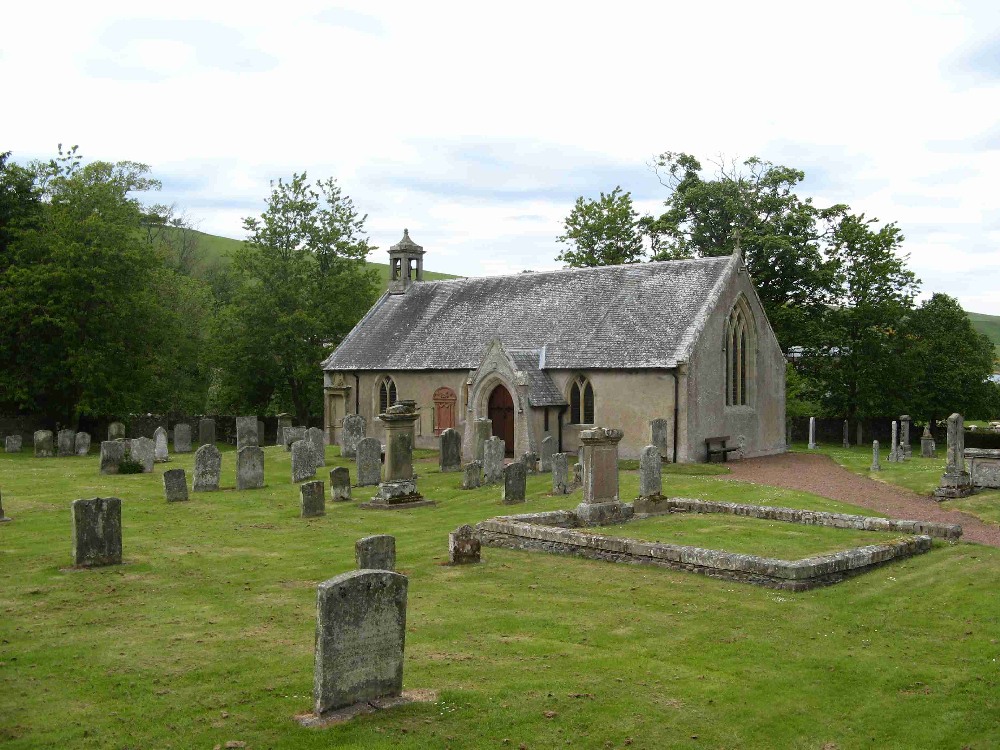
x: 988, y: 324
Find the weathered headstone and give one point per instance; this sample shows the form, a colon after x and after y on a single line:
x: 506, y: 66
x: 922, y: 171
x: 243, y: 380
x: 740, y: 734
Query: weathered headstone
x: 548, y: 447
x: 650, y: 472
x: 175, y: 487
x: 141, y: 449
x: 659, y: 434
x: 956, y: 482
x: 207, y: 469
x: 351, y: 433
x: 246, y: 432
x: 927, y: 446
x: 284, y: 421
x: 578, y: 474
x: 3, y: 516
x: 250, y: 468
x: 472, y: 475
x: 451, y: 450
x: 206, y: 431
x: 360, y: 636
x: 876, y: 464
x: 483, y: 431
x: 112, y: 453
x: 530, y: 461
x: 182, y: 438
x: 161, y: 453
x: 847, y: 434
x: 600, y: 475
x: 303, y: 461
x: 904, y: 436
x: 399, y: 486
x: 513, y: 484
x: 13, y: 444
x: 81, y: 443
x: 294, y: 434
x: 116, y: 431
x: 464, y: 546
x: 812, y: 433
x: 340, y: 484
x: 315, y: 437
x: 376, y: 552
x: 43, y: 444
x: 97, y: 532
x: 369, y: 460
x: 493, y: 453
x: 312, y: 498
x: 893, y: 456
x: 66, y: 442
x: 560, y: 473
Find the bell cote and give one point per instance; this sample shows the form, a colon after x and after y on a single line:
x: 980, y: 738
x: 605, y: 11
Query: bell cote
x: 406, y: 264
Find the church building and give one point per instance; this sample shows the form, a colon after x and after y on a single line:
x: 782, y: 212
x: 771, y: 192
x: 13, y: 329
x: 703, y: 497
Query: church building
x: 558, y: 352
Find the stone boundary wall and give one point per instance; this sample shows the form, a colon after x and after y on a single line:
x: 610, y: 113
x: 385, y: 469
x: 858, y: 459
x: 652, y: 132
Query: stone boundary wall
x: 830, y: 431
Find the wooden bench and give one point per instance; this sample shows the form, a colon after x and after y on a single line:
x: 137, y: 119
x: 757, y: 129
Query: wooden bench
x: 718, y: 453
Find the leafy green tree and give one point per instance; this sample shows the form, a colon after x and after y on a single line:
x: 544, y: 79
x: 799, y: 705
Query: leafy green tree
x: 302, y: 285
x: 602, y: 232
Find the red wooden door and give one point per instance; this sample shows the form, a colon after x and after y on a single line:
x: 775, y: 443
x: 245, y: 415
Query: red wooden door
x: 501, y: 411
x: 444, y: 409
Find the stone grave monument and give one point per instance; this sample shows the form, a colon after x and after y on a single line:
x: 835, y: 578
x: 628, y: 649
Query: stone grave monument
x: 530, y: 461
x: 315, y: 437
x: 514, y: 476
x: 161, y: 452
x: 116, y: 431
x: 600, y: 476
x: 3, y: 516
x: 182, y: 438
x: 548, y: 447
x: 560, y: 473
x: 464, y: 546
x: 97, y: 532
x: 43, y: 444
x: 351, y: 433
x: 207, y: 468
x: 284, y: 420
x: 927, y: 446
x: 175, y: 487
x: 650, y: 472
x: 369, y: 461
x: 250, y: 468
x: 112, y: 453
x: 482, y: 431
x: 450, y: 458
x: 81, y: 443
x: 246, y: 432
x: 956, y: 482
x: 904, y: 436
x: 472, y: 475
x: 303, y: 461
x: 376, y: 552
x: 876, y: 464
x: 893, y: 456
x: 66, y: 442
x: 313, y: 499
x: 206, y: 431
x: 659, y: 435
x: 13, y: 444
x: 812, y: 433
x: 142, y: 450
x: 294, y: 434
x: 340, y: 484
x: 493, y: 453
x: 399, y: 486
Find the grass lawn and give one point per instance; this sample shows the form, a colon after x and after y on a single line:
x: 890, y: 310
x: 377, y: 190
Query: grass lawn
x: 206, y: 635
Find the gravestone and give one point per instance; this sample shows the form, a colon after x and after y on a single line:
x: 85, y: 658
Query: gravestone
x: 284, y: 421
x: 650, y: 472
x: 340, y: 484
x: 81, y: 443
x: 812, y: 433
x: 376, y: 552
x: 293, y: 435
x: 956, y: 482
x: 659, y: 435
x: 142, y: 451
x: 66, y: 442
x: 493, y: 453
x: 876, y: 464
x: 160, y: 451
x: 352, y: 433
x: 13, y: 444
x: 369, y: 461
x: 904, y: 436
x: 313, y: 501
x: 175, y: 485
x: 577, y: 474
x: 303, y: 461
x: 600, y: 475
x: 116, y: 431
x: 482, y: 431
x: 3, y: 516
x: 847, y: 434
x: 360, y: 636
x: 560, y: 473
x: 97, y: 532
x: 43, y: 444
x: 530, y: 461
x: 182, y: 438
x: 250, y: 468
x: 927, y: 446
x: 246, y: 432
x: 207, y: 469
x: 206, y: 431
x: 112, y: 453
x: 893, y: 456
x: 548, y: 447
x: 451, y: 450
x: 315, y: 437
x: 513, y: 484
x: 399, y: 486
x: 464, y: 546
x: 472, y: 475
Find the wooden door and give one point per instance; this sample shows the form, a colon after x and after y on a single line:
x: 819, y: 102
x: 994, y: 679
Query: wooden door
x: 501, y: 411
x: 444, y: 409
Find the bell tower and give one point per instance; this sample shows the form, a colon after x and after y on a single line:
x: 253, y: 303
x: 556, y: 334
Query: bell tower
x: 406, y: 264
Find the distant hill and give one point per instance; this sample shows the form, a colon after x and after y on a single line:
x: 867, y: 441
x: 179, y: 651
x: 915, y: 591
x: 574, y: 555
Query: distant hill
x: 988, y: 324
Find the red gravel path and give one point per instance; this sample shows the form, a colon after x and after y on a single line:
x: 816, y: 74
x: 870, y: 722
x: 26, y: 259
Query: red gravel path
x: 821, y: 476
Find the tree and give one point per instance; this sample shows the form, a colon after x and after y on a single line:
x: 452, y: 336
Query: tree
x: 302, y: 285
x: 604, y: 232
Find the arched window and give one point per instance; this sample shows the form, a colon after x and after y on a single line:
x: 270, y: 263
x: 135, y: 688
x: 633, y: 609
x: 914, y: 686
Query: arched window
x: 738, y: 345
x: 581, y: 402
x: 386, y: 394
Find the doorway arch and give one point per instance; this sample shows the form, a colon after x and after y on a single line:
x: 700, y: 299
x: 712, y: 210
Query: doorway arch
x: 501, y: 411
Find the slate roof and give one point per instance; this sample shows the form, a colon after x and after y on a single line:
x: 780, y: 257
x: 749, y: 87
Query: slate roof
x: 542, y: 390
x: 644, y: 315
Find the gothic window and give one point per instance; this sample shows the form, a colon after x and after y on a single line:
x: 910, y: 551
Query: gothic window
x: 581, y: 402
x: 738, y: 347
x: 386, y: 394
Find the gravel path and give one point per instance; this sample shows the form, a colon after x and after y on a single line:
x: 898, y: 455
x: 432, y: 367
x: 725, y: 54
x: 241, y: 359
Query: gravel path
x: 819, y: 475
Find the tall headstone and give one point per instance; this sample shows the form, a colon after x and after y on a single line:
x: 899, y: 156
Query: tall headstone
x: 548, y: 447
x: 812, y: 433
x: 493, y: 453
x: 399, y: 486
x: 116, y: 431
x: 161, y: 453
x: 600, y: 475
x: 472, y: 475
x: 560, y: 473
x: 650, y: 472
x: 369, y: 461
x: 927, y: 446
x: 956, y: 482
x: 142, y: 450
x: 313, y: 499
x: 513, y: 484
x: 294, y: 434
x: 43, y: 444
x: 66, y: 442
x: 464, y: 546
x: 451, y: 450
x: 182, y: 438
x: 246, y: 432
x: 250, y: 468
x: 893, y: 456
x: 112, y: 453
x: 340, y: 484
x: 376, y: 552
x: 175, y: 487
x: 303, y: 461
x: 530, y: 461
x: 483, y: 432
x: 659, y: 435
x: 13, y: 444
x: 284, y: 421
x: 847, y: 434
x: 904, y: 436
x: 315, y: 437
x: 81, y: 443
x: 360, y: 636
x: 207, y: 468
x: 97, y: 532
x: 352, y: 433
x: 206, y: 431
x: 876, y: 464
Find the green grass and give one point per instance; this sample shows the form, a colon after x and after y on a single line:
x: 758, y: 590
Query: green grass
x: 206, y: 634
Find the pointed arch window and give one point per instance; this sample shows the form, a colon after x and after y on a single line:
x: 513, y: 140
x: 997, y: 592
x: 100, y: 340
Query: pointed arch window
x: 581, y: 402
x: 386, y: 394
x: 738, y: 347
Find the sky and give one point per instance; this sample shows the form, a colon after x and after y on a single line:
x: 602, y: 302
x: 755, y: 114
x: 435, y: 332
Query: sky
x: 476, y: 126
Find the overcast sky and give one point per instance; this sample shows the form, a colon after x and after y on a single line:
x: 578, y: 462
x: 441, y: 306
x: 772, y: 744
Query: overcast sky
x: 476, y: 125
